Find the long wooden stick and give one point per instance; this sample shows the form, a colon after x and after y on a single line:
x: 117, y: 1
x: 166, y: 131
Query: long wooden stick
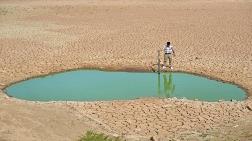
x: 158, y: 63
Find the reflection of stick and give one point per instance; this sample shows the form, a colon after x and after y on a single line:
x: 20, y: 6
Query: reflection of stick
x: 159, y: 91
x: 158, y: 63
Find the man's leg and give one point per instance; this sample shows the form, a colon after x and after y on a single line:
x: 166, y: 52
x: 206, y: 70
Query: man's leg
x: 165, y: 60
x: 170, y: 61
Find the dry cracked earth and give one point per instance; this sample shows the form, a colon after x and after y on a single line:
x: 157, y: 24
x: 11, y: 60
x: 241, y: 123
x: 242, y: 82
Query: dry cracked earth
x: 211, y: 38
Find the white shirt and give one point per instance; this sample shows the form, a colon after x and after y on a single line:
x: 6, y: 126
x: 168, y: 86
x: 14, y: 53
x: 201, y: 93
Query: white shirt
x: 168, y: 49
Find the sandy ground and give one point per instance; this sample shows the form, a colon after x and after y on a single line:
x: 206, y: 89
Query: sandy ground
x: 211, y: 38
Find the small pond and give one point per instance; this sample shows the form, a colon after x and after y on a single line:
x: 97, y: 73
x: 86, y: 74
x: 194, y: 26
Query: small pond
x: 94, y: 85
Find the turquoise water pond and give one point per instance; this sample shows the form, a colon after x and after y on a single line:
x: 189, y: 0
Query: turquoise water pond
x: 93, y: 85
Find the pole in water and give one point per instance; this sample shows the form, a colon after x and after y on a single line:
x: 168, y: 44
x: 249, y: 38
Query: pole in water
x: 158, y: 63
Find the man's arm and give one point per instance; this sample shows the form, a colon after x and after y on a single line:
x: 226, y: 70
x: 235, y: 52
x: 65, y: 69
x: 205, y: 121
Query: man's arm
x: 173, y: 52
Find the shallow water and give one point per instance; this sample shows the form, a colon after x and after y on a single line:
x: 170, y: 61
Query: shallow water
x: 92, y: 85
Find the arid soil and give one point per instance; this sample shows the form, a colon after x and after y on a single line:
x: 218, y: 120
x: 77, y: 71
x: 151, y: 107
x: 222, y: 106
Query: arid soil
x: 211, y: 38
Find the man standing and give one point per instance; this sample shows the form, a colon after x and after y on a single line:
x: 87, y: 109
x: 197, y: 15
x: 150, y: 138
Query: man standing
x: 168, y: 52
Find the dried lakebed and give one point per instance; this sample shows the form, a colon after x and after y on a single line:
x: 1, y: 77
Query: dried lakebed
x: 95, y: 85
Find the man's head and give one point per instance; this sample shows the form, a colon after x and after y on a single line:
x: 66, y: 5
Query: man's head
x: 168, y: 43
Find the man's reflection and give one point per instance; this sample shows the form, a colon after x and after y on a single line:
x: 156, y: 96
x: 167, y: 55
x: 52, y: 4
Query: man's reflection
x: 169, y: 87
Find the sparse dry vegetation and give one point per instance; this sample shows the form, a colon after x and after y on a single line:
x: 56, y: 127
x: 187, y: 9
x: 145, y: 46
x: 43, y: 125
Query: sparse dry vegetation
x: 92, y: 136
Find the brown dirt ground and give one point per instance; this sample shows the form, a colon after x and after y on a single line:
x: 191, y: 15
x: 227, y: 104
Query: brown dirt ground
x: 211, y: 38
